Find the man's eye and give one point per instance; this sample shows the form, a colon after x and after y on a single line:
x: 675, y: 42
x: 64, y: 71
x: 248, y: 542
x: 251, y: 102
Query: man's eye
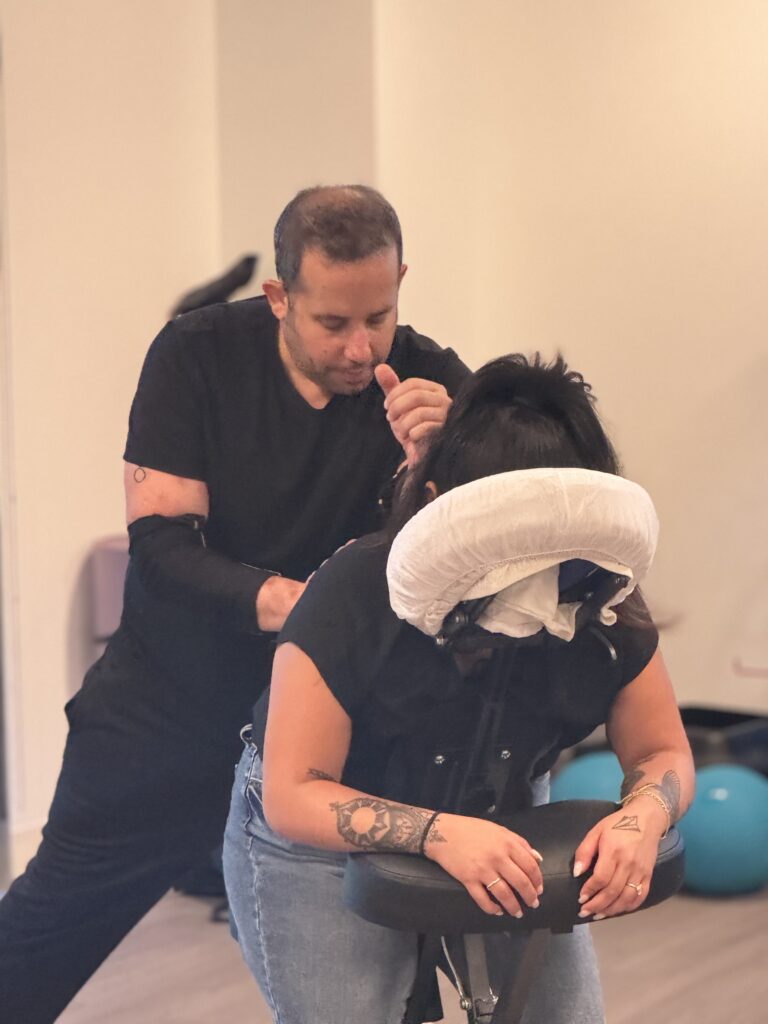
x: 376, y: 321
x: 333, y: 325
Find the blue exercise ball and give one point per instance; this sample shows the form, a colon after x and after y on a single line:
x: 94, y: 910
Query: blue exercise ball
x: 726, y: 831
x: 589, y: 777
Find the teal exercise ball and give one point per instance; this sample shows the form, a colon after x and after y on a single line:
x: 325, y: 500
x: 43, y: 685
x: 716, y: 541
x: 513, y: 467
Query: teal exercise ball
x: 726, y: 831
x: 589, y: 777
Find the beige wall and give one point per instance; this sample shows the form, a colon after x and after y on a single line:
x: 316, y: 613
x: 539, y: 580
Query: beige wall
x: 147, y: 143
x: 590, y: 177
x: 295, y: 95
x: 109, y: 212
x: 593, y: 178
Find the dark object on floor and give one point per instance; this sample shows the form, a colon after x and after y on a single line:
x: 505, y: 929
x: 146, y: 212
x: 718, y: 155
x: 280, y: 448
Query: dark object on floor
x: 719, y: 737
x: 220, y: 288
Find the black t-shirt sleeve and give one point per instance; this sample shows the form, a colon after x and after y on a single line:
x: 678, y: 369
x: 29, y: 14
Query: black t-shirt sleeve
x: 165, y: 430
x: 587, y: 681
x: 344, y: 622
x: 638, y: 646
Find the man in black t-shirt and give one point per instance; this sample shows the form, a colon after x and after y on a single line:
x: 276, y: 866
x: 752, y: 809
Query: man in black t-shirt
x: 259, y: 442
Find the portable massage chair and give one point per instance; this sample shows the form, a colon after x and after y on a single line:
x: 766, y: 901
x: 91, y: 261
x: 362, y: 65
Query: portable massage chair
x: 413, y: 894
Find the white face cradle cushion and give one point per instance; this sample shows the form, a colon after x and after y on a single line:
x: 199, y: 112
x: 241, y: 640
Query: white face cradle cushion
x: 507, y: 535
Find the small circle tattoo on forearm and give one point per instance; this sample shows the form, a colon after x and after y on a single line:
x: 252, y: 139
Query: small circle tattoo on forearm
x: 139, y: 474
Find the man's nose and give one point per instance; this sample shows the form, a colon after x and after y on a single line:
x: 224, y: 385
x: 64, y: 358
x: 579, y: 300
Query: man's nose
x: 358, y: 348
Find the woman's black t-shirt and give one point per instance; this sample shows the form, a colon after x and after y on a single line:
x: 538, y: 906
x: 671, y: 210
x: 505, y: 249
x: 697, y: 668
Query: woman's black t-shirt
x: 411, y: 708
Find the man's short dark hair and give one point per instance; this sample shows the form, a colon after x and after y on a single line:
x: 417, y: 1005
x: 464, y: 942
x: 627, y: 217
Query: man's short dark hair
x: 345, y: 222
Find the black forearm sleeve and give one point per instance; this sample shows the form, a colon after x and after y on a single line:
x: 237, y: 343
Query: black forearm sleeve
x: 170, y: 556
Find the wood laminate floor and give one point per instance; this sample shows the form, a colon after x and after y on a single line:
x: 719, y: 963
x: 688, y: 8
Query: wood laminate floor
x: 689, y: 961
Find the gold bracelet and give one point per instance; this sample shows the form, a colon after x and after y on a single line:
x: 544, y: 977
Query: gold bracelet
x: 651, y: 791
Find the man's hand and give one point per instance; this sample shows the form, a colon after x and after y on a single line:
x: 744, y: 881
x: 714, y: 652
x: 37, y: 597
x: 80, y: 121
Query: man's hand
x: 275, y: 600
x: 415, y: 408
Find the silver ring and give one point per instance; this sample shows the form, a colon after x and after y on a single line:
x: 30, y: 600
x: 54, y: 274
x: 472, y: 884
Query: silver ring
x: 637, y: 887
x: 494, y: 882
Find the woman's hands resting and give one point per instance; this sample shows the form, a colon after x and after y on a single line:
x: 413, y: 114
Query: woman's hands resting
x: 476, y: 852
x: 626, y: 845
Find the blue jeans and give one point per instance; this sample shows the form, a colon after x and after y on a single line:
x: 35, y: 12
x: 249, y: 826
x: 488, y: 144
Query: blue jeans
x: 318, y: 963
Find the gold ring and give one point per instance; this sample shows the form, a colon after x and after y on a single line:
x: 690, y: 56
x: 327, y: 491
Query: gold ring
x: 494, y: 882
x: 637, y: 887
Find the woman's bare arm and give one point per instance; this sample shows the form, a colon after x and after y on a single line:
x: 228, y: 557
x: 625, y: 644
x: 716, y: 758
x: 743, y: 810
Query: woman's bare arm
x: 305, y: 750
x: 647, y: 735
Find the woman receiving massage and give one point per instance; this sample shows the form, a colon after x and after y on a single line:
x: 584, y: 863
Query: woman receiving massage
x: 356, y: 690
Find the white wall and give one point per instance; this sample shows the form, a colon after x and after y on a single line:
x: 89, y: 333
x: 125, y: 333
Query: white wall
x: 593, y: 178
x: 110, y: 210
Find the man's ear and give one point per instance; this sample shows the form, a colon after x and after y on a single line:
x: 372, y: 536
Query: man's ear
x: 401, y: 275
x: 431, y: 490
x: 277, y: 297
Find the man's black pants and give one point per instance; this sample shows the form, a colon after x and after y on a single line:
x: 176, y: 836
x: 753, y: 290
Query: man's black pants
x: 134, y: 810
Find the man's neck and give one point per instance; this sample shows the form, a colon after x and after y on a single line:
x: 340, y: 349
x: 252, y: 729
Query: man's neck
x: 313, y: 394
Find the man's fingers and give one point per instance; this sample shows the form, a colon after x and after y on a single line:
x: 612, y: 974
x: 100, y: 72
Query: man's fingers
x: 275, y: 600
x: 422, y: 432
x: 413, y: 394
x: 405, y: 425
x: 386, y: 378
x: 414, y: 407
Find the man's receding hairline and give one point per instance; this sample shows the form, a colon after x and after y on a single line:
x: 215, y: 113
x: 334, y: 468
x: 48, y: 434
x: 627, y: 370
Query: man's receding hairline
x: 331, y: 195
x: 298, y: 284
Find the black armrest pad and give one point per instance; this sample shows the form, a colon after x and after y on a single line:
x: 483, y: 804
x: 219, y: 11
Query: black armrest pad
x: 414, y: 894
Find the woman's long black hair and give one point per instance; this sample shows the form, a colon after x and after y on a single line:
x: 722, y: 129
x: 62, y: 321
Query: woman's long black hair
x: 514, y: 413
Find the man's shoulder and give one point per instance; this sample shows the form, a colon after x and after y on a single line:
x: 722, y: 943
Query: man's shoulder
x: 222, y: 320
x: 220, y: 335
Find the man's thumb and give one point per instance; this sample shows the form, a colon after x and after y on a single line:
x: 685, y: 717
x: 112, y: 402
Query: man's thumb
x: 386, y: 377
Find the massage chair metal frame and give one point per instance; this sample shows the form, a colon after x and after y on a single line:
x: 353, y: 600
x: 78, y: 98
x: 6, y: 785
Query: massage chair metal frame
x: 414, y: 894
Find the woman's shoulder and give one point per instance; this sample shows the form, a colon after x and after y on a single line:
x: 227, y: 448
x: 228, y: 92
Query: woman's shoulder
x: 347, y: 596
x: 344, y: 621
x: 356, y: 573
x: 634, y: 646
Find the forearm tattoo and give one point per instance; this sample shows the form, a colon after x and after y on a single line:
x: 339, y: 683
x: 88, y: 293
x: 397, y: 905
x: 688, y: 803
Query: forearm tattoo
x: 668, y: 789
x: 634, y: 775
x: 370, y: 823
x: 139, y: 474
x: 317, y: 774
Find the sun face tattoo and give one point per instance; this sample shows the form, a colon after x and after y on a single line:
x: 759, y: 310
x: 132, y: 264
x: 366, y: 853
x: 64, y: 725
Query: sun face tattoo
x: 373, y: 824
